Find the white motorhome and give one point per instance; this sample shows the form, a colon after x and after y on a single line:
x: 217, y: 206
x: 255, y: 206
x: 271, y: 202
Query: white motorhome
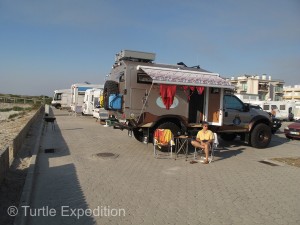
x: 93, y: 103
x: 77, y: 95
x: 283, y: 110
x: 297, y: 110
x: 144, y: 96
x: 98, y: 111
x: 61, y: 98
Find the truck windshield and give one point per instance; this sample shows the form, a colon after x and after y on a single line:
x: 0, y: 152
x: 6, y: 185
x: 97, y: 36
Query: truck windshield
x: 57, y: 96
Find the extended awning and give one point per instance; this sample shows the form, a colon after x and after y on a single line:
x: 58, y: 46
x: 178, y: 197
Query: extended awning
x: 162, y: 75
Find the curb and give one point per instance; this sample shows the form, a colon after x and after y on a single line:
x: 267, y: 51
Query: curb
x: 25, y: 199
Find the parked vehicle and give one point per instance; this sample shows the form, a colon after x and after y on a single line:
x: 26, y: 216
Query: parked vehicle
x: 296, y: 113
x: 143, y: 96
x: 61, y: 98
x: 77, y: 95
x: 93, y: 103
x: 292, y: 131
x: 276, y: 123
x: 282, y: 110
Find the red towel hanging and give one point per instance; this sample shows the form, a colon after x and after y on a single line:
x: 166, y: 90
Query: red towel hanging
x: 200, y: 90
x: 167, y: 93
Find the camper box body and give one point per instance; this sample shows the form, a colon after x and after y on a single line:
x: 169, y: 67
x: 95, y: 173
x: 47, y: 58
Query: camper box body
x: 77, y: 95
x: 61, y: 98
x: 137, y: 90
x: 141, y: 98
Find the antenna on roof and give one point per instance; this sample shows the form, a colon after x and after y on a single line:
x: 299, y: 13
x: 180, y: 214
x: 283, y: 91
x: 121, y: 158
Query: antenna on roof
x: 86, y: 82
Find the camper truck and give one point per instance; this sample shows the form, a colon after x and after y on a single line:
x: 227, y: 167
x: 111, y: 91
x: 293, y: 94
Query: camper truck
x: 61, y: 98
x: 78, y: 93
x: 93, y: 103
x: 143, y: 96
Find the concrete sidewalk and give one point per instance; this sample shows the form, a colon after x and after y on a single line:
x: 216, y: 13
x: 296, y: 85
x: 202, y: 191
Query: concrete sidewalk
x: 132, y: 187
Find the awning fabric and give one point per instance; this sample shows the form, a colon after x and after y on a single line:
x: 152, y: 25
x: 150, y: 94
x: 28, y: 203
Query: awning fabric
x: 185, y: 77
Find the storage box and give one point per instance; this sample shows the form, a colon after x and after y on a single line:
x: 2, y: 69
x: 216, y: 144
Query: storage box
x: 128, y: 54
x: 115, y: 102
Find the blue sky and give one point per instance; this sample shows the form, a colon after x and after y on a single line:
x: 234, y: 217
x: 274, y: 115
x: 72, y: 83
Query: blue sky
x: 50, y: 44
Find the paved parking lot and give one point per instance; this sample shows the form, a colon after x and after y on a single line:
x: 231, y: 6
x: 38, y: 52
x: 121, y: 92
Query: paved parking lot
x: 134, y: 188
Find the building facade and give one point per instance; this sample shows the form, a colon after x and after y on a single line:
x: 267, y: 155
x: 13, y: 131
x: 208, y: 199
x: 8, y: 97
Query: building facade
x: 291, y: 92
x: 262, y: 86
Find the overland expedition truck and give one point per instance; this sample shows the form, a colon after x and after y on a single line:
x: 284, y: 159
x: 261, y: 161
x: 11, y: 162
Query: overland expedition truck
x: 77, y: 95
x: 143, y: 96
x: 61, y: 98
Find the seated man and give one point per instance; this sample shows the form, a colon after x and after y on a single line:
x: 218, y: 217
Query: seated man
x: 204, y: 139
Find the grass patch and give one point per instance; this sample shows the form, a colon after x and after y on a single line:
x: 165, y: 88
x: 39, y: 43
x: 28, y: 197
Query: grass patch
x: 17, y: 108
x: 16, y: 114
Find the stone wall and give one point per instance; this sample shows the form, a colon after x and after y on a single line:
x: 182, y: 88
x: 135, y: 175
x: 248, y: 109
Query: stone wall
x: 8, y: 154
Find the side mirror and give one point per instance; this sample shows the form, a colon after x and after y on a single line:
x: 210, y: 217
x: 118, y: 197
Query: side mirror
x: 246, y: 107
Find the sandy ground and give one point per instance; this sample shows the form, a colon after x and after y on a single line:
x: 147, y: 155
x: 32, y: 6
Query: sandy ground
x: 9, y: 128
x: 12, y: 186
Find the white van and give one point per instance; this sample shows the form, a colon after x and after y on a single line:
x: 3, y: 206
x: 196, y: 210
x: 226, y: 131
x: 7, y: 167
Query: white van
x: 61, y: 98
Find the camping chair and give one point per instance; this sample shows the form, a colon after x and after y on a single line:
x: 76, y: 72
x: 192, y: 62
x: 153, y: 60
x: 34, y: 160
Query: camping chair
x: 214, y: 145
x: 163, y: 138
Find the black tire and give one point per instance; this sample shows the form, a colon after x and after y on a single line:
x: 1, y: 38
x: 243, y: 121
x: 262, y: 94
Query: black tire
x: 110, y: 87
x: 171, y: 126
x: 58, y: 106
x: 261, y: 136
x: 228, y: 136
x: 139, y: 135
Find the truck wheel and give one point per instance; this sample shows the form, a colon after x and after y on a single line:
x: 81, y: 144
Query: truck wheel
x: 228, y: 137
x: 57, y: 106
x: 110, y: 87
x: 139, y: 135
x: 172, y: 126
x: 261, y: 136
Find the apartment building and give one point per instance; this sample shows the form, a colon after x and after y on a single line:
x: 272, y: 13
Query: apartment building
x: 262, y: 86
x: 291, y: 92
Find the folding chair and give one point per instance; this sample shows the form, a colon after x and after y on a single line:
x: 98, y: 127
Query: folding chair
x: 163, y: 138
x: 214, y: 145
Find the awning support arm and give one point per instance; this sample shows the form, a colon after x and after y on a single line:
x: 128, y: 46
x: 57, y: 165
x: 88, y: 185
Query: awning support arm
x: 144, y: 105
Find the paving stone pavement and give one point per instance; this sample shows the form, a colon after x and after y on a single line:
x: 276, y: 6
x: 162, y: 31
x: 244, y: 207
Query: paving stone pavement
x: 135, y: 188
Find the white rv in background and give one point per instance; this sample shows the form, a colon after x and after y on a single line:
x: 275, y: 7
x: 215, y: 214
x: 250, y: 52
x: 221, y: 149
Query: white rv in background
x: 77, y: 95
x: 297, y: 111
x: 283, y: 110
x: 93, y: 104
x: 61, y: 98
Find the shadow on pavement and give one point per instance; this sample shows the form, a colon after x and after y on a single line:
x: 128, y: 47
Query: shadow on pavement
x: 57, y: 187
